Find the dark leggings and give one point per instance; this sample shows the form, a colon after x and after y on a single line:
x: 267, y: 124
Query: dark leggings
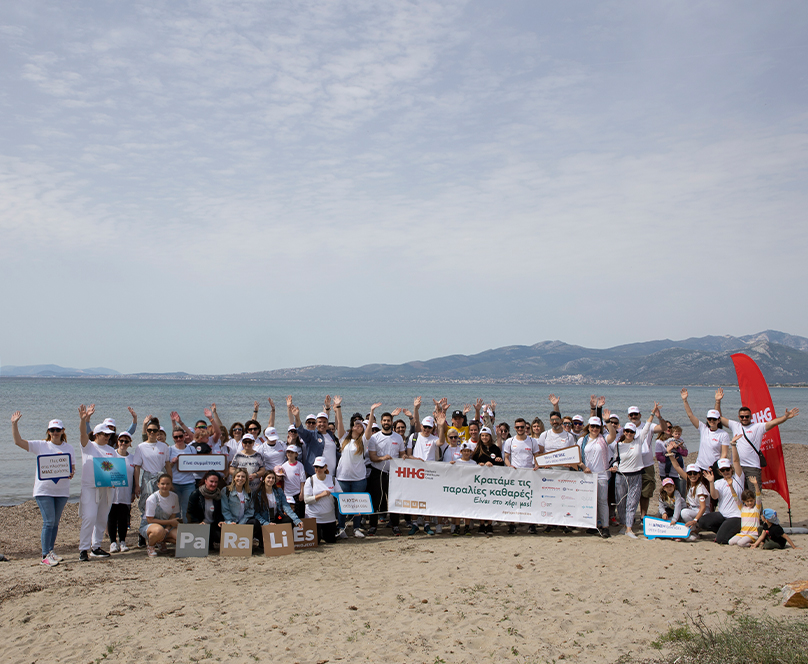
x: 118, y: 521
x: 378, y: 487
x: 724, y: 529
x: 327, y: 532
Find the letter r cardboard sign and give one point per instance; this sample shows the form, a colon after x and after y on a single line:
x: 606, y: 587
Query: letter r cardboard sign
x: 236, y: 541
x: 278, y: 539
x: 192, y: 540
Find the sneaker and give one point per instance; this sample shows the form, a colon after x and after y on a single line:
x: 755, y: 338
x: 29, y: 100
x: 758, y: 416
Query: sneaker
x: 53, y: 556
x: 151, y: 551
x: 511, y: 529
x: 372, y: 530
x: 438, y: 529
x: 693, y: 538
x: 489, y: 530
x: 549, y: 529
x: 358, y: 533
x: 123, y: 548
x: 83, y: 557
x: 605, y: 534
x: 141, y: 541
x: 482, y: 530
x: 342, y: 534
x: 592, y: 531
x: 113, y: 548
x: 631, y: 534
x: 467, y: 531
x: 455, y: 533
x: 531, y: 530
x: 428, y: 530
x: 413, y: 529
x: 396, y: 531
x: 98, y: 552
x: 47, y: 561
x: 622, y: 530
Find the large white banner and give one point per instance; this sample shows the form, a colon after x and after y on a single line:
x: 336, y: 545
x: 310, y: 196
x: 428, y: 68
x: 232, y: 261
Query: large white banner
x: 498, y: 493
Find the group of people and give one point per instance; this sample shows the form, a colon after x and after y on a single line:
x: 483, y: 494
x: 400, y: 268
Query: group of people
x: 271, y: 481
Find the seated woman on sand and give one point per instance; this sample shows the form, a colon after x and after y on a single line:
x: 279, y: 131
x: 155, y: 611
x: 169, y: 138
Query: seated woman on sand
x: 160, y: 517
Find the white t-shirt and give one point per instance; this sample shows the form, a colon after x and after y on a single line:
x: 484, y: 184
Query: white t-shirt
x: 726, y: 503
x: 170, y: 504
x: 630, y: 456
x: 383, y: 444
x: 522, y: 452
x: 323, y: 509
x: 89, y: 452
x: 449, y: 453
x: 466, y: 462
x: 710, y: 443
x: 178, y: 476
x: 330, y: 453
x: 122, y: 495
x: 754, y: 432
x: 274, y: 455
x: 351, y: 466
x: 426, y: 448
x: 551, y: 441
x: 49, y: 487
x: 696, y: 498
x: 151, y: 457
x: 596, y: 456
x: 646, y: 437
x: 293, y: 477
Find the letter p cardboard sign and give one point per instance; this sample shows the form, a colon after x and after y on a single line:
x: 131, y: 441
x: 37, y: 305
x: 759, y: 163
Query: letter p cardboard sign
x: 192, y: 540
x: 236, y: 541
x: 278, y: 539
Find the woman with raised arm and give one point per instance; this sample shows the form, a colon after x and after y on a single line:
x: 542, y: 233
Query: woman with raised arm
x: 351, y: 473
x: 51, y: 497
x: 95, y: 501
x: 713, y: 440
x: 725, y: 522
x: 697, y: 492
x: 122, y: 497
x: 595, y: 458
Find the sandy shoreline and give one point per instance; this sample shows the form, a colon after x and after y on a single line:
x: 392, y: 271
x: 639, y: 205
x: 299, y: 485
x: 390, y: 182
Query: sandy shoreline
x: 421, y: 599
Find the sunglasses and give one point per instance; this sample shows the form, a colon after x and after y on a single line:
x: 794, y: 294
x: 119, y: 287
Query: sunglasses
x: 453, y: 437
x: 692, y: 472
x: 725, y: 470
x: 54, y: 430
x: 237, y: 429
x: 247, y: 442
x: 520, y: 426
x: 103, y: 433
x: 566, y: 424
x: 201, y: 426
x: 153, y: 430
x: 744, y: 417
x: 253, y: 429
x: 179, y: 436
x: 628, y: 432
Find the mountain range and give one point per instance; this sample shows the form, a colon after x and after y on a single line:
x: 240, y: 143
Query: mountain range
x: 783, y: 359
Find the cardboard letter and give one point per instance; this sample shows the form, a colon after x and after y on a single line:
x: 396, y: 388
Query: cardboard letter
x: 278, y: 539
x: 192, y: 540
x: 236, y: 541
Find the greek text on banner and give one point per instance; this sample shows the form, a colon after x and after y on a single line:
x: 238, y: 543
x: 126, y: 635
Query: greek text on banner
x: 498, y: 493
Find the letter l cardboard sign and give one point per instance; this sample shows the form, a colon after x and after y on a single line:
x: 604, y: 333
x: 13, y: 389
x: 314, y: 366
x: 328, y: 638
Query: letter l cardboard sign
x: 278, y: 539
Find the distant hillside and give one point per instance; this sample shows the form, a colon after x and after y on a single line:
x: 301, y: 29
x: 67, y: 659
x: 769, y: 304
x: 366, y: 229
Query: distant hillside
x: 51, y: 370
x: 704, y: 360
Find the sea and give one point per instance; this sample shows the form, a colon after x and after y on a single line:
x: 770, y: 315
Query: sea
x: 43, y: 399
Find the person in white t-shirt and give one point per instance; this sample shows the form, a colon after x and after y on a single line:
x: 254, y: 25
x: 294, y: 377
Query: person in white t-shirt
x: 351, y: 467
x: 273, y: 449
x: 51, y: 497
x: 726, y: 520
x: 382, y: 447
x: 318, y: 493
x: 122, y: 496
x: 94, y: 501
x: 425, y: 446
x: 595, y: 458
x: 161, y: 517
x: 294, y: 474
x: 751, y: 436
x: 520, y: 451
x: 556, y: 438
x: 713, y: 441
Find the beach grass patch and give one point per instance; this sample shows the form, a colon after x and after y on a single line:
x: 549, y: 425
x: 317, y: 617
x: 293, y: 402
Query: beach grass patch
x: 737, y: 640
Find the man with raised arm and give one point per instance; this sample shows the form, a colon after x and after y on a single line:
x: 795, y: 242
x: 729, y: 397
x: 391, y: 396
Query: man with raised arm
x: 751, y: 433
x: 318, y: 443
x: 383, y: 446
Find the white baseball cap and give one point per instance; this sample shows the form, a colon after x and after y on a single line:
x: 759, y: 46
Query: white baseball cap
x: 596, y: 421
x: 125, y: 434
x: 248, y: 436
x: 56, y: 424
x: 466, y: 446
x: 633, y: 409
x: 102, y: 428
x: 323, y: 415
x: 630, y: 427
x: 712, y: 413
x: 486, y: 430
x: 320, y: 462
x: 428, y: 421
x: 310, y: 416
x: 270, y: 431
x: 577, y: 418
x: 272, y: 436
x: 293, y: 448
x: 692, y: 468
x: 724, y: 463
x: 291, y: 427
x: 110, y: 422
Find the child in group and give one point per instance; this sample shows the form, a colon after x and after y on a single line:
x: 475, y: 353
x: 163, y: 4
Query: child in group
x: 772, y: 535
x: 671, y: 502
x: 466, y: 450
x: 294, y: 475
x: 750, y: 505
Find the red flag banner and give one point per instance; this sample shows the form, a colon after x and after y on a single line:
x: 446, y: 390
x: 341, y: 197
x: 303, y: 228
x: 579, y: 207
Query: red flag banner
x: 755, y: 395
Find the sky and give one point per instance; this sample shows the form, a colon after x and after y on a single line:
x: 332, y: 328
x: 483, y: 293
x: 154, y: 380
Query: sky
x: 233, y: 186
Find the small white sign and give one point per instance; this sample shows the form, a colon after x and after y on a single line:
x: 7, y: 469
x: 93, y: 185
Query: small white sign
x: 53, y: 466
x: 354, y: 503
x: 201, y: 463
x: 653, y: 527
x: 566, y: 456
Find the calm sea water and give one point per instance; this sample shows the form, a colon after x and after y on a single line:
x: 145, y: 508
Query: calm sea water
x: 42, y: 399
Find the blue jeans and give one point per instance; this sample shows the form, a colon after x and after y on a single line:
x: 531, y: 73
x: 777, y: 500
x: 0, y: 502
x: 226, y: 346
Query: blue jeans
x: 184, y: 492
x: 51, y: 509
x: 352, y: 487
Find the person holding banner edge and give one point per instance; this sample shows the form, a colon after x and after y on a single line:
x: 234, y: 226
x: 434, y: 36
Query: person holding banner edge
x: 749, y: 446
x: 382, y: 447
x: 51, y: 497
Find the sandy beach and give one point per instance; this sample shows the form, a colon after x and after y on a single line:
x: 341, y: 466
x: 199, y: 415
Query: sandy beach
x: 427, y: 599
